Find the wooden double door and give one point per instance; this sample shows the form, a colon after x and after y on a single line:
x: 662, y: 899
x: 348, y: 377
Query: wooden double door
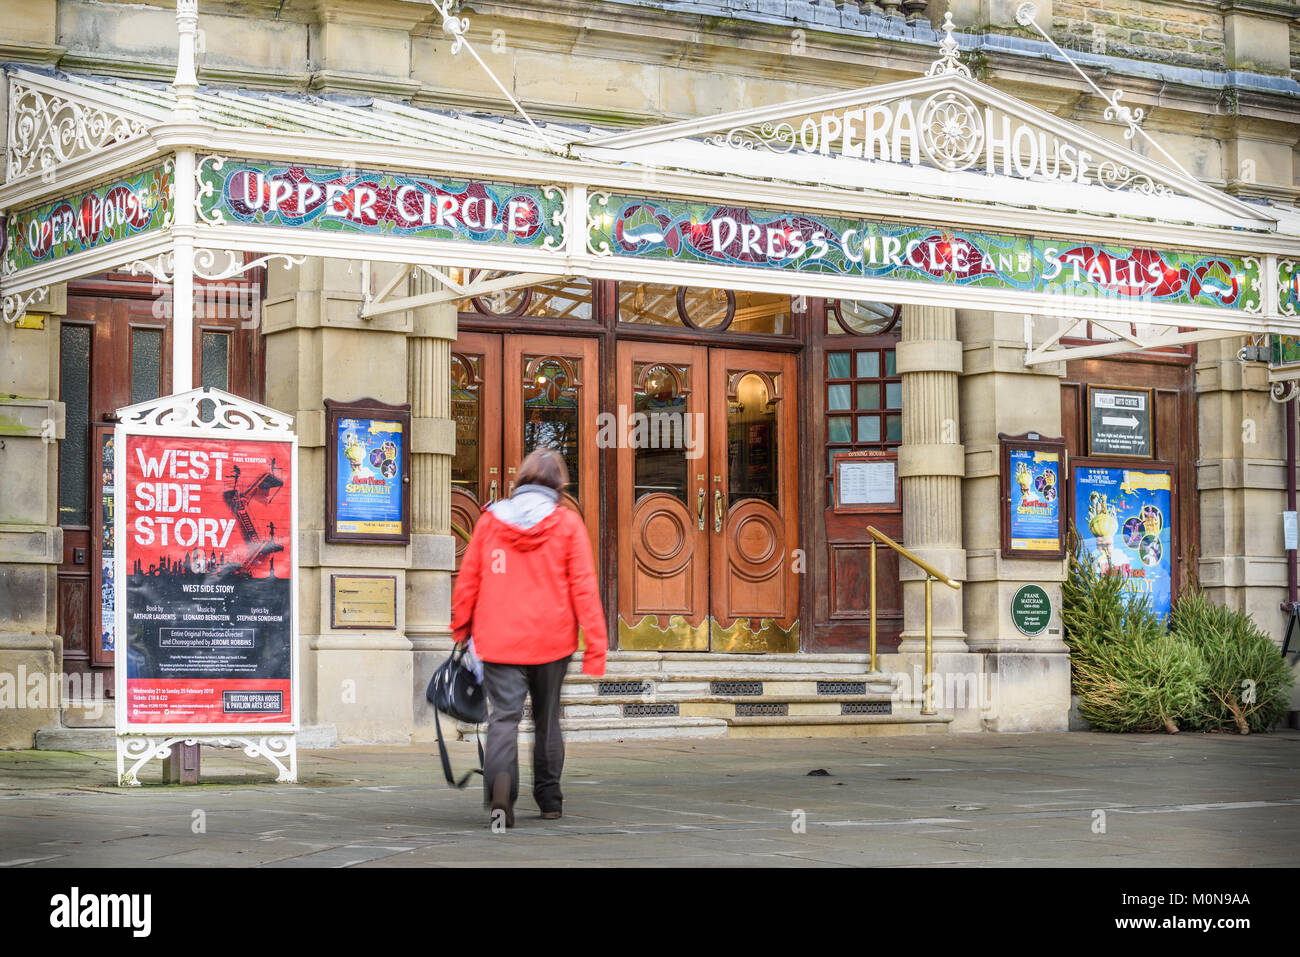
x: 511, y: 394
x: 707, y: 499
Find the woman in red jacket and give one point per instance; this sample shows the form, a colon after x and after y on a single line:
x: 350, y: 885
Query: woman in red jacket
x: 525, y: 586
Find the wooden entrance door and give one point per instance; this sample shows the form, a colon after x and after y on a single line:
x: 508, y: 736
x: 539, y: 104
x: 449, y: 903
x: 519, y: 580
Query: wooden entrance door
x: 510, y: 395
x: 115, y: 349
x: 708, y: 517
x: 664, y: 522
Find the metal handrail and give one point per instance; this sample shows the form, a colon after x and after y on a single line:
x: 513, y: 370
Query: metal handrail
x: 461, y: 532
x: 921, y: 563
x: 932, y: 575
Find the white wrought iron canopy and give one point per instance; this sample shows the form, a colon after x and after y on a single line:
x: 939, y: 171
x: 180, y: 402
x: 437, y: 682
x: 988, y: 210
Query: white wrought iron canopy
x: 939, y: 190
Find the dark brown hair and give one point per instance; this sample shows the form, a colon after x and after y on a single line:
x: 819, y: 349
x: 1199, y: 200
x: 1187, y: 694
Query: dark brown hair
x: 543, y: 467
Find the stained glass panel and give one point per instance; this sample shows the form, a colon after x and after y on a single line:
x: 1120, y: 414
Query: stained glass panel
x: 551, y: 411
x: 146, y: 364
x: 74, y: 391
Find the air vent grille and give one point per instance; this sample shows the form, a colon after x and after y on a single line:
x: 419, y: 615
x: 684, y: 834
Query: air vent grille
x: 611, y: 688
x: 867, y: 707
x: 841, y: 687
x: 736, y: 687
x: 763, y: 709
x: 649, y: 710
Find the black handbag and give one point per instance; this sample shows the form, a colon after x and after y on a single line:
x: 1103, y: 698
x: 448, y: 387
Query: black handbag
x: 454, y: 691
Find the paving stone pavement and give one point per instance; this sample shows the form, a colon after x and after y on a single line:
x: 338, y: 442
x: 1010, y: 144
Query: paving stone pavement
x: 952, y: 800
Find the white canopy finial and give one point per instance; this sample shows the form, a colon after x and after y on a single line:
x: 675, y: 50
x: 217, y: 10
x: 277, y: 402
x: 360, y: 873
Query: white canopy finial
x: 187, y: 81
x: 948, y: 62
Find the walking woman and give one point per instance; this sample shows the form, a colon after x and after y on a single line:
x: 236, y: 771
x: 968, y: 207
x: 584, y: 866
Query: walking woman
x: 525, y: 586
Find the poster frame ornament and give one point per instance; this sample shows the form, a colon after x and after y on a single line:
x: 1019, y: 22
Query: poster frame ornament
x: 865, y: 455
x: 206, y: 414
x: 1010, y: 443
x: 374, y: 410
x: 1171, y: 521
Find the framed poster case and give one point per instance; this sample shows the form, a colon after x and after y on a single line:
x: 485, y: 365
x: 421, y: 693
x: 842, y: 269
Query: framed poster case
x: 866, y: 481
x: 206, y: 574
x: 367, y: 472
x: 1125, y: 516
x: 1032, y: 475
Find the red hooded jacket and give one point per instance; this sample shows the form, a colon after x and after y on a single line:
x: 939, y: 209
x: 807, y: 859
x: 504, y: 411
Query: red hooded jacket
x: 522, y: 593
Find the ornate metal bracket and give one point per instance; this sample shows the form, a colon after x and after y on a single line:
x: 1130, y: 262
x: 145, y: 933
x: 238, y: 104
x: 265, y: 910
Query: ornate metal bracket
x: 457, y: 28
x: 208, y: 410
x: 163, y: 266
x: 15, y: 304
x: 47, y: 129
x: 1285, y: 390
x: 202, y: 190
x: 1026, y: 15
x: 280, y: 749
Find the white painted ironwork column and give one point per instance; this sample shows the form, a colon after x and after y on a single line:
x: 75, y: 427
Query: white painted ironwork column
x: 183, y: 215
x: 931, y: 462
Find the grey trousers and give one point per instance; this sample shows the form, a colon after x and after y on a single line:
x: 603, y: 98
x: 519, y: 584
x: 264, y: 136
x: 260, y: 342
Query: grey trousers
x: 506, y: 686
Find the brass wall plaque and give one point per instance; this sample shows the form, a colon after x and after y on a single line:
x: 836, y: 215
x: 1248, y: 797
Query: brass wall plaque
x: 363, y: 601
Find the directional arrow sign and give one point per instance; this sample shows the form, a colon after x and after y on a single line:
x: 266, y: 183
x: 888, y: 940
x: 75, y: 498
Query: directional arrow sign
x: 1119, y: 422
x: 1131, y: 421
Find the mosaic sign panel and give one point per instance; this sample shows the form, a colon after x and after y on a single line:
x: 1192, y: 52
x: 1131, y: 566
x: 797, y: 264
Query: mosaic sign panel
x: 89, y: 220
x: 360, y: 201
x: 687, y: 232
x: 1288, y: 287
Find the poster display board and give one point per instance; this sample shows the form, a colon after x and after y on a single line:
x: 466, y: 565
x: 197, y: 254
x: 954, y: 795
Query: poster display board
x: 205, y: 531
x: 866, y: 481
x: 1033, y: 477
x: 1124, y: 518
x: 368, y: 469
x: 102, y: 568
x: 1119, y: 422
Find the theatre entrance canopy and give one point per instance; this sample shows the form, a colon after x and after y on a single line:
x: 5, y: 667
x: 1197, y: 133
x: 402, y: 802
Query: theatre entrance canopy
x: 938, y: 190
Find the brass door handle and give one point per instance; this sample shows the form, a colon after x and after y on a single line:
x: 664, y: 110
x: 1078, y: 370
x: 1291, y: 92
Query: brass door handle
x: 699, y: 508
x: 717, y: 510
x: 492, y: 492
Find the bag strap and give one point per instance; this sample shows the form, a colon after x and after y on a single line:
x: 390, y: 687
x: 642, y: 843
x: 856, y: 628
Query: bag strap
x: 446, y: 762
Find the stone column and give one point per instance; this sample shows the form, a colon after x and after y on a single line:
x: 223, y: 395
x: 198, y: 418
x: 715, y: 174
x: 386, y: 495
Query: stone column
x: 433, y: 443
x: 31, y: 541
x: 1241, y: 477
x: 1028, y: 679
x: 931, y: 465
x: 318, y: 347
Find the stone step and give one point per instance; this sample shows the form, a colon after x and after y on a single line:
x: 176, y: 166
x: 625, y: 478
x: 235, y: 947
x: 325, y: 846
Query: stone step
x: 619, y: 728
x: 836, y: 726
x: 678, y: 686
x: 716, y: 664
x: 105, y: 739
x: 89, y: 714
x: 568, y: 699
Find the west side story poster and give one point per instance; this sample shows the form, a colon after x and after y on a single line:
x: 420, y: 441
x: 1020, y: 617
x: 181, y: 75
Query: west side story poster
x: 208, y: 588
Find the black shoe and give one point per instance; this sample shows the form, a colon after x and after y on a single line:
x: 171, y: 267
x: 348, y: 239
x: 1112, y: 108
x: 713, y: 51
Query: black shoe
x: 501, y: 798
x: 551, y: 815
